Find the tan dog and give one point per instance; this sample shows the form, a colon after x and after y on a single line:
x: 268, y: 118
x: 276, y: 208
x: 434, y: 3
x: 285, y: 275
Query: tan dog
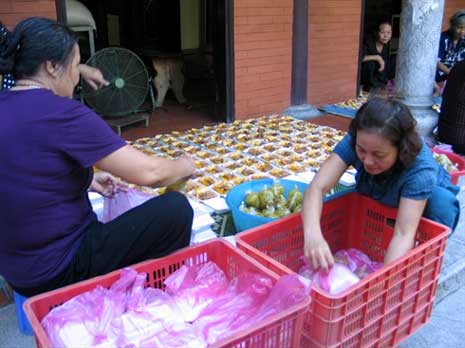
x: 169, y: 75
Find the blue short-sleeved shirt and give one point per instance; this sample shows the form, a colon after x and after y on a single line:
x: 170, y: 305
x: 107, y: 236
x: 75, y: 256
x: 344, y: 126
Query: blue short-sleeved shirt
x: 416, y: 182
x: 49, y: 144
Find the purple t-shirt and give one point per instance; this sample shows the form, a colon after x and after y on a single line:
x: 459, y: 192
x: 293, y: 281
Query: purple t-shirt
x: 49, y: 144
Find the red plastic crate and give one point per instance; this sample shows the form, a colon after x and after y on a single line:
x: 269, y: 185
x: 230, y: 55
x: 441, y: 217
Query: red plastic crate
x: 283, y: 330
x: 456, y: 159
x: 376, y: 308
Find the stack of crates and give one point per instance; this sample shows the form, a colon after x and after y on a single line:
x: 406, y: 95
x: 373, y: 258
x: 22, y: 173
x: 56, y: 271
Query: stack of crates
x: 382, y: 309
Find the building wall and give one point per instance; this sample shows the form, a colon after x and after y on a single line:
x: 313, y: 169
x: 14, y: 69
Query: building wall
x: 450, y: 7
x: 263, y: 49
x: 334, y: 34
x: 12, y: 11
x: 263, y: 56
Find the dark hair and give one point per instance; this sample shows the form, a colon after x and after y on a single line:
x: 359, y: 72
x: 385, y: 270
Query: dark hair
x: 458, y: 18
x: 393, y: 121
x: 34, y: 41
x: 383, y: 22
x: 4, y: 36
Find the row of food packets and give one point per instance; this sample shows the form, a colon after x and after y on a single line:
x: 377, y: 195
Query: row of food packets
x: 228, y: 154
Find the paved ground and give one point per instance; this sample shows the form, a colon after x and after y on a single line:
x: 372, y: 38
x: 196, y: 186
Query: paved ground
x: 446, y: 328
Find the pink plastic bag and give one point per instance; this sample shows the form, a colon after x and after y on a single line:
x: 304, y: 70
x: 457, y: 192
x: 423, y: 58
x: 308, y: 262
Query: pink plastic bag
x: 85, y: 319
x: 444, y: 147
x: 233, y: 310
x: 357, y: 261
x: 194, y: 288
x: 337, y: 279
x: 122, y: 202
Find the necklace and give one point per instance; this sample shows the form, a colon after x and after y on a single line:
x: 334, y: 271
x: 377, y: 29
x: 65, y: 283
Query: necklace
x: 30, y: 86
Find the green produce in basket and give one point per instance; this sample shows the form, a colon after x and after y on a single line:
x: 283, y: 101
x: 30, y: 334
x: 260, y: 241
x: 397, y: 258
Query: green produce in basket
x: 280, y: 200
x: 252, y: 199
x: 266, y: 198
x: 295, y: 198
x: 271, y: 203
x: 297, y: 208
x: 444, y: 161
x: 278, y: 190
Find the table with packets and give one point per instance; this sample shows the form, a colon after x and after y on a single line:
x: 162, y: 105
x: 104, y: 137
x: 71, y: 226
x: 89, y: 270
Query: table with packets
x: 227, y: 154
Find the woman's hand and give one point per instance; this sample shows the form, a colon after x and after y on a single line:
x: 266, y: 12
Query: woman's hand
x: 381, y: 63
x: 317, y: 251
x: 316, y: 248
x: 105, y: 184
x: 93, y: 76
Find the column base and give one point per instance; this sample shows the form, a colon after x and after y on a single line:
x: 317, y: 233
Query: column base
x: 302, y: 112
x: 427, y: 119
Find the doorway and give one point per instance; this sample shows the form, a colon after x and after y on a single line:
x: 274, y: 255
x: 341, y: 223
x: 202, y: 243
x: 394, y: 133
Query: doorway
x: 373, y: 13
x: 199, y: 31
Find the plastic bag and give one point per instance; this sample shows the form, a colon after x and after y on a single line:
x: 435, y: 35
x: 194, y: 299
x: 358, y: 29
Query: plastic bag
x: 85, y: 319
x: 194, y: 288
x: 357, y: 261
x: 122, y: 202
x: 234, y: 309
x: 337, y: 279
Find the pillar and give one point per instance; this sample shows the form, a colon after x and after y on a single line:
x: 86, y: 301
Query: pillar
x: 299, y: 107
x: 420, y: 28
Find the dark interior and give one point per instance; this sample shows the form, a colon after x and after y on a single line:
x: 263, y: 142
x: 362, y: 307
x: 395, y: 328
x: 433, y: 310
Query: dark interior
x: 153, y: 27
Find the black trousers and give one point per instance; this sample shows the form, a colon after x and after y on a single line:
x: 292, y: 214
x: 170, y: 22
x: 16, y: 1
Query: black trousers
x: 459, y: 148
x: 154, y: 229
x: 371, y: 77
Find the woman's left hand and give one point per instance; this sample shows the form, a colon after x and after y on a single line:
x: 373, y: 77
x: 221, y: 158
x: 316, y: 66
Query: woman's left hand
x: 93, y: 76
x: 105, y: 184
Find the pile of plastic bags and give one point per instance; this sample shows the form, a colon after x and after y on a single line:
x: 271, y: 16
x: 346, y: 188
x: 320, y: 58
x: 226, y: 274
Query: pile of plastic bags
x: 200, y: 306
x: 350, y: 266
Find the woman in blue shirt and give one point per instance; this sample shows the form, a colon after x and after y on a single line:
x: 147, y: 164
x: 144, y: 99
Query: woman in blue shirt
x: 451, y: 46
x: 394, y: 167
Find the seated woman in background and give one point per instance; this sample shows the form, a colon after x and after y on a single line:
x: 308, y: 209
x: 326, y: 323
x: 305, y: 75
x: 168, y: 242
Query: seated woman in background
x: 451, y: 126
x: 50, y: 236
x: 377, y: 65
x: 451, y: 46
x: 394, y: 167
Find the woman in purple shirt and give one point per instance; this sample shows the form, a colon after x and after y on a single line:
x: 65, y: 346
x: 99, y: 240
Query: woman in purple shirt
x: 50, y: 143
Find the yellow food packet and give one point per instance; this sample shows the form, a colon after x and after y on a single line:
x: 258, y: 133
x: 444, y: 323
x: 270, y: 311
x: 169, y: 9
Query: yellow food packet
x: 177, y: 186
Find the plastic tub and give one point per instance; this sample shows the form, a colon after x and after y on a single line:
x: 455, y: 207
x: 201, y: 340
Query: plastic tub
x: 236, y: 195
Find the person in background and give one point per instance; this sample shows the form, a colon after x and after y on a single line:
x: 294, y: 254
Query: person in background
x: 377, y: 65
x: 394, y: 167
x: 451, y: 46
x: 51, y: 142
x: 451, y: 125
x: 91, y: 75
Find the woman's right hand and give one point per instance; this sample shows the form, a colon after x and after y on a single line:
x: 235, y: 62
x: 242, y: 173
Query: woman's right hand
x: 381, y: 63
x: 317, y: 251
